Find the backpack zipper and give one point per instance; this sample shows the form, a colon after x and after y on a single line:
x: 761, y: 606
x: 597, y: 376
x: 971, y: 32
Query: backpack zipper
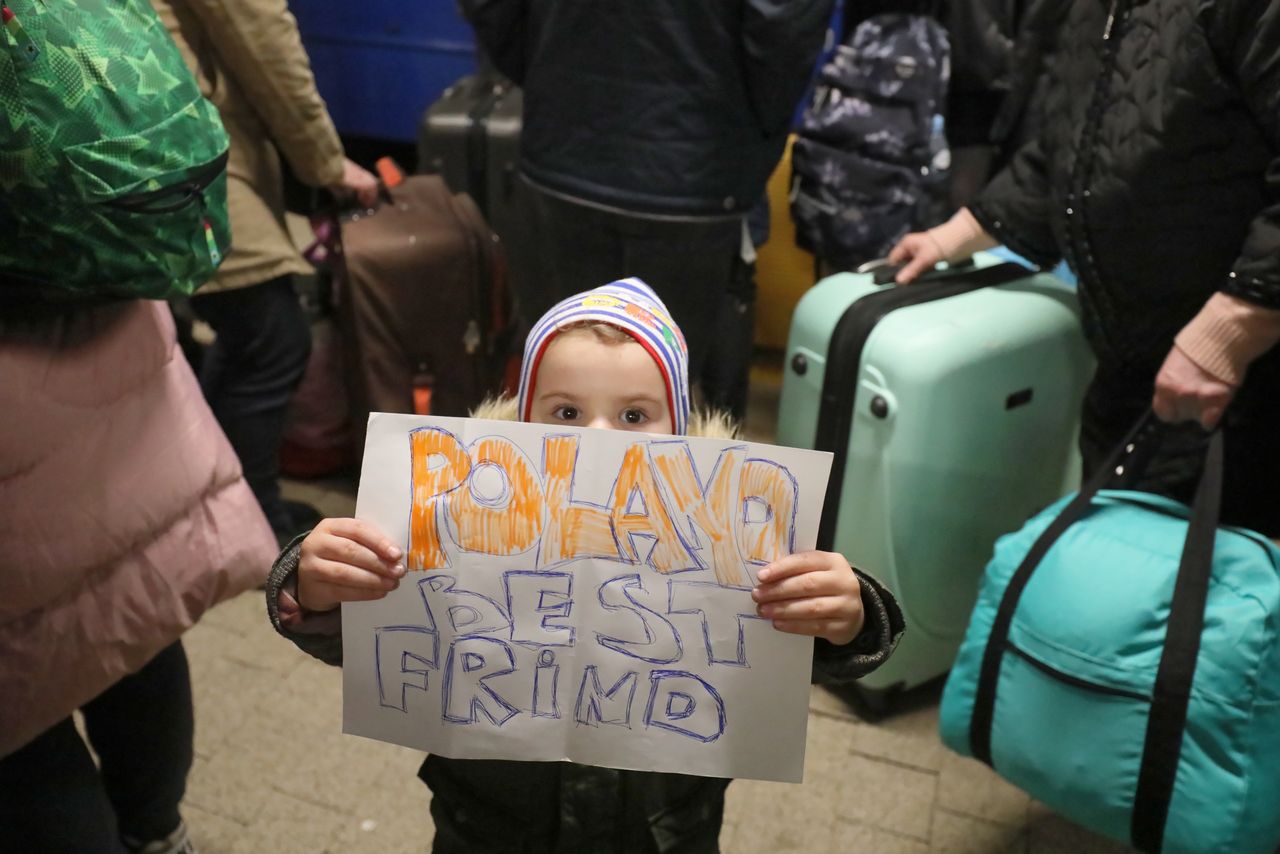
x: 191, y: 190
x: 1111, y: 21
x: 215, y: 254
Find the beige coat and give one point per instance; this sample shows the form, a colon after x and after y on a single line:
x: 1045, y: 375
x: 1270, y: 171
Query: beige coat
x: 123, y: 515
x: 249, y: 61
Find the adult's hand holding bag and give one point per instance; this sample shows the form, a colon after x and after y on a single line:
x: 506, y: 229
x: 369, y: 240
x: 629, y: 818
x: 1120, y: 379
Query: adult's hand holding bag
x: 1122, y: 665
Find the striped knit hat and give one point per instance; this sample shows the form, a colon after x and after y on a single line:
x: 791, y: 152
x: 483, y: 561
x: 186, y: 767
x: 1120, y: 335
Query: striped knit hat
x: 633, y: 307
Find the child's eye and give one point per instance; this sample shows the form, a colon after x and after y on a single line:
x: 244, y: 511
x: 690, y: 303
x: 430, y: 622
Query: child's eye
x: 566, y: 412
x: 634, y: 416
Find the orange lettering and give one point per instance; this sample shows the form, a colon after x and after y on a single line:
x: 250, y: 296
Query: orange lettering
x: 773, y: 490
x: 636, y: 478
x: 508, y: 523
x: 572, y: 531
x: 427, y: 446
x: 711, y: 510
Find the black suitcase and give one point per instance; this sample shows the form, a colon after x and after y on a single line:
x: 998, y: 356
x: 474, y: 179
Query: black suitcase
x: 471, y: 138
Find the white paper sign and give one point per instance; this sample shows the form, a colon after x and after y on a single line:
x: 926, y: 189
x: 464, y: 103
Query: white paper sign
x: 582, y: 595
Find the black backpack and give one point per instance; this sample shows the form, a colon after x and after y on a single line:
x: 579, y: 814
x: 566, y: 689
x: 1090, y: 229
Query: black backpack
x: 870, y: 159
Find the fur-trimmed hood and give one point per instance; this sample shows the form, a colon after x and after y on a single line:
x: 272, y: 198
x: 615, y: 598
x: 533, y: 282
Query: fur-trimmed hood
x: 703, y: 423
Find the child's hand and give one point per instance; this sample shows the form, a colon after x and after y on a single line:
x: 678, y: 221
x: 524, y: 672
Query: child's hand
x: 811, y: 593
x: 346, y: 560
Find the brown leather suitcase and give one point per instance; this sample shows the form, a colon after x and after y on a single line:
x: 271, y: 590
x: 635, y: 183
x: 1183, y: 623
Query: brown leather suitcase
x: 425, y: 310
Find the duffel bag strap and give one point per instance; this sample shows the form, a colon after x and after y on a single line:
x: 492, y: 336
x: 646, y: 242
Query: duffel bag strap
x: 1172, y: 694
x: 997, y: 641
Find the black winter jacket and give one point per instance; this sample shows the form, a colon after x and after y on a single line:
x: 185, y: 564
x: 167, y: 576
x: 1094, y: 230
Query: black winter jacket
x: 665, y: 107
x: 1155, y: 172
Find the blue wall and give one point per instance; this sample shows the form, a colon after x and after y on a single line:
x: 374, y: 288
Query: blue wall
x: 380, y: 63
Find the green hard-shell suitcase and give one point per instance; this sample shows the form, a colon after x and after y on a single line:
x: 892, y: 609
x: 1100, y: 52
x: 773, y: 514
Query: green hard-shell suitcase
x: 951, y: 406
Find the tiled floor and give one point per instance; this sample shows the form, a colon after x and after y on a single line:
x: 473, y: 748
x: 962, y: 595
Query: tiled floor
x: 273, y: 772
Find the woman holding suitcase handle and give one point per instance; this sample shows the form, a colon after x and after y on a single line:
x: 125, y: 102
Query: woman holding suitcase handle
x: 1154, y: 177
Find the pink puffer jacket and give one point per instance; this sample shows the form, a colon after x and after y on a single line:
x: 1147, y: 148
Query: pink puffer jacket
x: 123, y: 515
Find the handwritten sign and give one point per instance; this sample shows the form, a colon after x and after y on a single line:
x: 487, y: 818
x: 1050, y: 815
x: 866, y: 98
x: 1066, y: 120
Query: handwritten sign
x: 582, y: 595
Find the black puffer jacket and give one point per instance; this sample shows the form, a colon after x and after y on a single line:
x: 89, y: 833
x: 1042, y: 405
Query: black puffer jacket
x: 1155, y: 173
x: 654, y: 106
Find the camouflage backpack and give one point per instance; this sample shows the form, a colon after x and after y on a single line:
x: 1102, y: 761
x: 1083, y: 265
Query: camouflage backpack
x: 870, y: 158
x: 112, y: 165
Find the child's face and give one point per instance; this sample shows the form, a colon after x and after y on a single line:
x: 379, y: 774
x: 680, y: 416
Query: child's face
x: 587, y: 382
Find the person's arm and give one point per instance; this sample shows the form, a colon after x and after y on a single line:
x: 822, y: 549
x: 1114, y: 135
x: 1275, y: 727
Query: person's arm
x: 781, y: 40
x: 855, y: 621
x: 1228, y: 334
x: 1242, y: 321
x: 1246, y: 34
x: 502, y: 30
x: 1014, y: 208
x: 882, y: 628
x: 1212, y: 353
x: 317, y: 634
x: 258, y: 44
x: 341, y: 560
x: 956, y: 239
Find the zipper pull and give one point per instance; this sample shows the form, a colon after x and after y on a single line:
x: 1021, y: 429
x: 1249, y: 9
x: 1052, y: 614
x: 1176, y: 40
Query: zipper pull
x: 1111, y: 21
x: 30, y: 50
x: 215, y: 254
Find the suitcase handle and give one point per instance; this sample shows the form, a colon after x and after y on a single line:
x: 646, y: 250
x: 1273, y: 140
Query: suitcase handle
x: 883, y: 271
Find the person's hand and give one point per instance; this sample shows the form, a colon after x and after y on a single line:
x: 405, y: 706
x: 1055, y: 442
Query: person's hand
x: 919, y: 253
x: 811, y: 593
x: 1187, y: 392
x: 357, y: 181
x: 346, y: 560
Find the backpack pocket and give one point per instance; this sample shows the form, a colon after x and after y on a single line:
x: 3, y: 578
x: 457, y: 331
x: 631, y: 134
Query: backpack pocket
x: 167, y: 155
x: 849, y: 207
x: 150, y: 207
x: 878, y: 98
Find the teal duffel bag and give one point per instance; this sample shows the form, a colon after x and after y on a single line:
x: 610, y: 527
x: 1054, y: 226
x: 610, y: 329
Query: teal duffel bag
x: 1122, y: 666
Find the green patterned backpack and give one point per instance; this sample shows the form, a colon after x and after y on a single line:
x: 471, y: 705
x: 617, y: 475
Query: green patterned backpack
x: 112, y: 165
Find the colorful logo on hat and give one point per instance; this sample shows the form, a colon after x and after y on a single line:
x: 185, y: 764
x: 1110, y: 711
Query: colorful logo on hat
x: 671, y: 339
x: 642, y: 315
x: 602, y: 301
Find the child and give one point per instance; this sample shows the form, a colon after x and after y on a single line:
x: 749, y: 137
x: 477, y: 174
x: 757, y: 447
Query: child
x: 608, y: 358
